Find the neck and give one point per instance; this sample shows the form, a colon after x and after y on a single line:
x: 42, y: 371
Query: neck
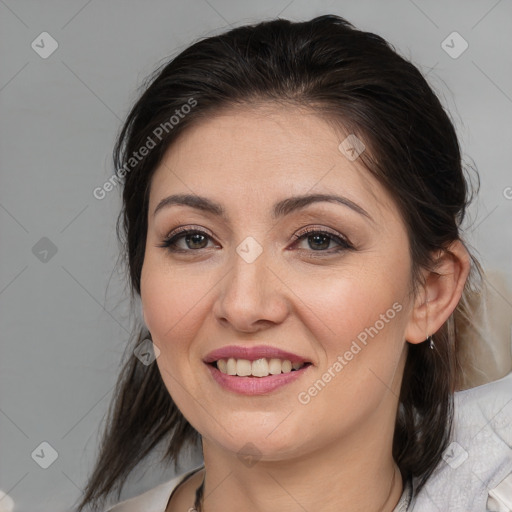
x: 354, y: 479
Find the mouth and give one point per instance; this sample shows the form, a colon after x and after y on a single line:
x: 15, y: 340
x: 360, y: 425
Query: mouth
x: 261, y: 367
x: 255, y: 370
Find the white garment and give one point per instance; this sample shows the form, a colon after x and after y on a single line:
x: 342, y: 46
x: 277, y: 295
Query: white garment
x: 467, y: 480
x: 479, y: 458
x: 154, y: 500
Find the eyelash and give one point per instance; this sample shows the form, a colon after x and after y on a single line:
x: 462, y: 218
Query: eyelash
x: 344, y: 244
x: 170, y: 242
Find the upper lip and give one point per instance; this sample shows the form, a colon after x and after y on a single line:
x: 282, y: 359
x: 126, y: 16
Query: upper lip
x: 252, y: 353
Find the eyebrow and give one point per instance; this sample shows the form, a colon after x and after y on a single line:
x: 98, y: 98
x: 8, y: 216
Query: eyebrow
x: 281, y: 208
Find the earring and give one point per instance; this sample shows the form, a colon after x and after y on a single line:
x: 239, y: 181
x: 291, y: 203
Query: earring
x: 431, y: 341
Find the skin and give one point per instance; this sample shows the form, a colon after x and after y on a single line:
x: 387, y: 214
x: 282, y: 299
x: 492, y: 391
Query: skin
x: 334, y: 452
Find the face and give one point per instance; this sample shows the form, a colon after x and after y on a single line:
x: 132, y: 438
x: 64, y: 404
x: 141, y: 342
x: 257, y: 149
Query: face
x: 251, y: 275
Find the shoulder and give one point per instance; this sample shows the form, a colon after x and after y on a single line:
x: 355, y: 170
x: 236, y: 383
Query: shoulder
x: 479, y: 457
x: 154, y: 500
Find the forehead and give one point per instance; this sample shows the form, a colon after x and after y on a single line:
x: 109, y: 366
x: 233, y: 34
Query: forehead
x: 262, y: 152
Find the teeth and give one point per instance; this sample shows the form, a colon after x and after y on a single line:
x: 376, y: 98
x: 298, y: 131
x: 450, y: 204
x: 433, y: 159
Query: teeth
x: 222, y: 365
x: 243, y: 367
x: 231, y: 366
x: 274, y: 366
x: 258, y: 368
x: 287, y: 366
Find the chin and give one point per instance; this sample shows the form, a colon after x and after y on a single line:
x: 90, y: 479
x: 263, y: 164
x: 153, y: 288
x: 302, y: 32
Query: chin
x: 262, y: 437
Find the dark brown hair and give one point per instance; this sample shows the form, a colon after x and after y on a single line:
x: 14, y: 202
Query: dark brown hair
x: 358, y: 81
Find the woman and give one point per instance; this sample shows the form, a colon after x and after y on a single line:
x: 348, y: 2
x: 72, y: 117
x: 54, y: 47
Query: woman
x: 291, y: 208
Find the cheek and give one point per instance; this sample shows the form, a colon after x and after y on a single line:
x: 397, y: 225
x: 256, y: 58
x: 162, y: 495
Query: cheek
x: 363, y: 307
x: 171, y: 303
x: 359, y: 332
x: 174, y: 308
x: 366, y: 316
x: 349, y: 304
x: 358, y: 319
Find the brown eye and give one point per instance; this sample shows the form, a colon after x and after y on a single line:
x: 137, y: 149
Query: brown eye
x: 195, y: 240
x: 186, y: 240
x: 321, y: 240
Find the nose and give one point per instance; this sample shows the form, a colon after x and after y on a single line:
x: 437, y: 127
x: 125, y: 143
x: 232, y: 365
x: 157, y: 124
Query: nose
x: 252, y: 296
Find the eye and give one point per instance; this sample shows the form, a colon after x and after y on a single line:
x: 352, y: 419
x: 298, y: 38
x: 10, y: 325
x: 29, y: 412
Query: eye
x: 193, y: 240
x: 320, y: 239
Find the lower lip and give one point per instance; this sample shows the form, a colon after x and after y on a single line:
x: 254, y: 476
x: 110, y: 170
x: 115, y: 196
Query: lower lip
x: 255, y: 385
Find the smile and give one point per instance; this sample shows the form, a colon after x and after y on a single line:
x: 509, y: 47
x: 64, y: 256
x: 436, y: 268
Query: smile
x: 262, y: 367
x: 254, y: 369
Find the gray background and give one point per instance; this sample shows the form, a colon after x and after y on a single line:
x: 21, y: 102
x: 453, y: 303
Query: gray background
x: 65, y: 318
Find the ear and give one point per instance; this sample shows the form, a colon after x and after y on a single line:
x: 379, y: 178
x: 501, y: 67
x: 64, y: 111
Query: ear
x: 439, y: 295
